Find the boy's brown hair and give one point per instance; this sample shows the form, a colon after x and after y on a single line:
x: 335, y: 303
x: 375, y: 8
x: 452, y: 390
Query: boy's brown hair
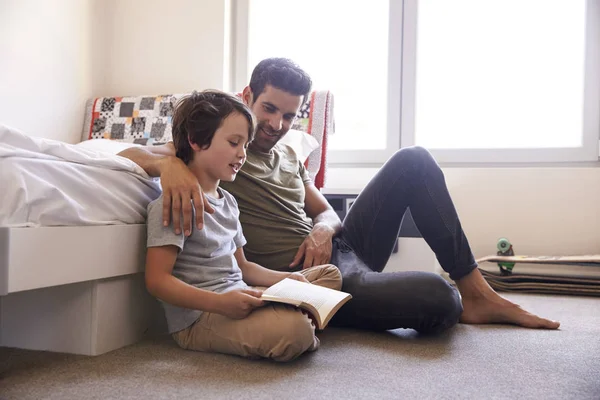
x: 198, y: 116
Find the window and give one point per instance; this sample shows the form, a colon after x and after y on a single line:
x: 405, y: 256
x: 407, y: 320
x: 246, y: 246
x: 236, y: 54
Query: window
x: 471, y: 80
x: 345, y: 47
x: 506, y: 76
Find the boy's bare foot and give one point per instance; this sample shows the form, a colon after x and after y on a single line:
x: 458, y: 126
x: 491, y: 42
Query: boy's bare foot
x: 482, y: 305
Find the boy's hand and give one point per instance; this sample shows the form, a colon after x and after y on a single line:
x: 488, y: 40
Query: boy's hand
x: 181, y: 188
x: 297, y: 276
x: 237, y: 304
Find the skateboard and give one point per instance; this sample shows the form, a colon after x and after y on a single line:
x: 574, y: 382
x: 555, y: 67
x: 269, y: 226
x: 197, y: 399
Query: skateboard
x: 506, y: 258
x: 592, y: 260
x: 532, y: 282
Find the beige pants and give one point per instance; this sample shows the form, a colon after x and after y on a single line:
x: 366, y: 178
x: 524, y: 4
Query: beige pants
x: 275, y: 331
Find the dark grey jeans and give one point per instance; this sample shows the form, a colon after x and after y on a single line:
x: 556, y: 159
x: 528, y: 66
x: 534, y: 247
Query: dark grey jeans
x: 419, y: 300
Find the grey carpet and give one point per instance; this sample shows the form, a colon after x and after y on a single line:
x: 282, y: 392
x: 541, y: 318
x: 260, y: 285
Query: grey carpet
x: 470, y: 362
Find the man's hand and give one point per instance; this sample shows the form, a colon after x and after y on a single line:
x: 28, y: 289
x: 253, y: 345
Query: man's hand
x: 238, y: 304
x: 297, y: 276
x: 180, y: 189
x: 316, y: 248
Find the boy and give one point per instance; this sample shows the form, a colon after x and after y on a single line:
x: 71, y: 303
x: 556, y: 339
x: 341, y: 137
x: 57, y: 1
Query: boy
x: 203, y: 279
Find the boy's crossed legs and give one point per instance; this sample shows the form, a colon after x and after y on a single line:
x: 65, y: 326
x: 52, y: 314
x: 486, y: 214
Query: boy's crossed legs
x: 277, y: 331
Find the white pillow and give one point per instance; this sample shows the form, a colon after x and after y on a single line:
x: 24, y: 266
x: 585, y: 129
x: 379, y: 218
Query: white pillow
x: 301, y: 142
x: 106, y: 145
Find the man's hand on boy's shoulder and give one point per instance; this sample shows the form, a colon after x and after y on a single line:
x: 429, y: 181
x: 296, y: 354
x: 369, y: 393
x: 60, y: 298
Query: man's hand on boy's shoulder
x: 181, y: 191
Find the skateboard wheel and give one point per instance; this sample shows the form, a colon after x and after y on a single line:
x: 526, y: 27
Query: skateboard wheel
x: 503, y: 245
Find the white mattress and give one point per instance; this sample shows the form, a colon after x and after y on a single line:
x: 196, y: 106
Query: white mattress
x: 50, y: 183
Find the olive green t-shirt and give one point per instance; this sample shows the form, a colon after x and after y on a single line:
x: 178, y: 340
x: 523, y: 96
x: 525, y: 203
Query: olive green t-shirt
x: 270, y: 193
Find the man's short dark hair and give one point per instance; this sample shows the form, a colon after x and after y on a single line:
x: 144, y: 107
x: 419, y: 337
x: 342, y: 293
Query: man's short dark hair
x: 198, y: 116
x: 283, y: 74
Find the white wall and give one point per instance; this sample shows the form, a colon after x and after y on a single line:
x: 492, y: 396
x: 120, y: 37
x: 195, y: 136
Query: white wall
x: 543, y: 211
x: 45, y: 72
x: 56, y: 54
x: 160, y: 46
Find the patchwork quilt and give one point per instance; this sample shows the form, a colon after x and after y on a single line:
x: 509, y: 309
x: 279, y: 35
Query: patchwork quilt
x: 132, y: 119
x: 145, y: 119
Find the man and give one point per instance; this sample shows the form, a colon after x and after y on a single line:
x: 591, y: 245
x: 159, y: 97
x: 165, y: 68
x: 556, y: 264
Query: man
x: 289, y: 224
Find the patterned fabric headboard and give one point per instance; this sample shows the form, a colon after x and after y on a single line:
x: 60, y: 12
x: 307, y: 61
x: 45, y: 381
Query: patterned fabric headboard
x: 142, y: 119
x: 148, y: 120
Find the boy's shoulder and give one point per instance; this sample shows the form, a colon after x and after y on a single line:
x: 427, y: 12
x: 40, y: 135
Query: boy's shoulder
x: 158, y: 202
x: 228, y: 197
x: 154, y: 210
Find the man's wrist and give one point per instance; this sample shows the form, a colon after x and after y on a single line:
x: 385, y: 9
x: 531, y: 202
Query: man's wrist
x: 163, y: 163
x: 324, y: 227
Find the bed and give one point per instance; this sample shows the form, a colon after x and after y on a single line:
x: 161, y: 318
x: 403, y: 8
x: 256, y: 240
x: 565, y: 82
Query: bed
x: 72, y: 243
x: 72, y: 232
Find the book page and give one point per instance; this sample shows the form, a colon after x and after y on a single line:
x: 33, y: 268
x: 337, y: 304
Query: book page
x: 323, y: 299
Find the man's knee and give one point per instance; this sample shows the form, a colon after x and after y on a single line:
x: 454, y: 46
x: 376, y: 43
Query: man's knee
x: 445, y: 307
x: 412, y: 156
x: 333, y: 275
x: 293, y: 335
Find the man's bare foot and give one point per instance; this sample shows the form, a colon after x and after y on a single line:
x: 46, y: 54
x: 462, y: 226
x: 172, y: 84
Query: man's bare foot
x: 482, y: 305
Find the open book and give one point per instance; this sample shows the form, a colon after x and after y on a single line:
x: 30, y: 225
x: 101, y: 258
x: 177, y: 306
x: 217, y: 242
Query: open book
x: 320, y: 301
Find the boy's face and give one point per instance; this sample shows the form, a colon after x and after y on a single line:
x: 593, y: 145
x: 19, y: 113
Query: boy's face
x: 227, y: 152
x: 275, y: 111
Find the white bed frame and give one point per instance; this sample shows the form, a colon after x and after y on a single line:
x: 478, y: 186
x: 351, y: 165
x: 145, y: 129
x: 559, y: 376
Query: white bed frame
x: 75, y: 289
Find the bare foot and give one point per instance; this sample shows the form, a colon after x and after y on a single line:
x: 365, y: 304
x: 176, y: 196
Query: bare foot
x: 482, y: 305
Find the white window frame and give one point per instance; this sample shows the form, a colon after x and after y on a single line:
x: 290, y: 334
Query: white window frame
x: 393, y: 100
x: 401, y: 96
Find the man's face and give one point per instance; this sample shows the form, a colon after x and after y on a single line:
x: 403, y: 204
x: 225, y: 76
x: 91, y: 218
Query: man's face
x: 275, y: 111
